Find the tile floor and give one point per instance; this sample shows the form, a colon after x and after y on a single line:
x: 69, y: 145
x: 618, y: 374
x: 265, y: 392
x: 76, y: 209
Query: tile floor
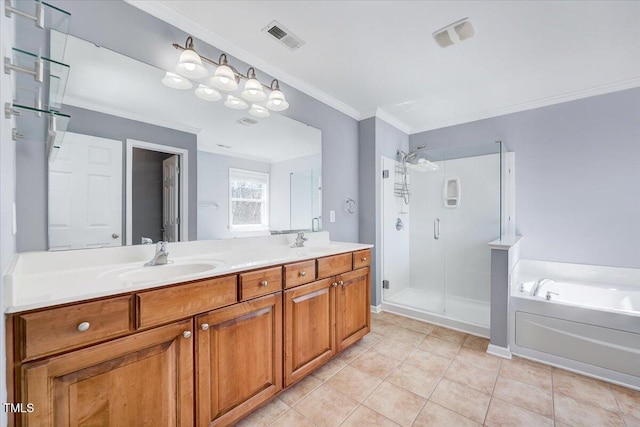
x: 411, y: 373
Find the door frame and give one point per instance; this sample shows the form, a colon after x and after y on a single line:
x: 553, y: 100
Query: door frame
x: 184, y: 185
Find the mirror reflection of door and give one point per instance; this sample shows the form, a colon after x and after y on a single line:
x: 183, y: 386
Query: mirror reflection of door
x: 85, y: 193
x: 155, y: 191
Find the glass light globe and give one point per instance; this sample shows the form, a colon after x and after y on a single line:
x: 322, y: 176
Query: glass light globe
x: 277, y: 101
x: 175, y: 81
x: 207, y: 93
x: 253, y: 91
x: 235, y: 103
x: 259, y: 111
x: 190, y: 65
x: 224, y: 79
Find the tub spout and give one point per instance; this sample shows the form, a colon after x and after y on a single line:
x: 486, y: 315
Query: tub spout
x: 536, y: 288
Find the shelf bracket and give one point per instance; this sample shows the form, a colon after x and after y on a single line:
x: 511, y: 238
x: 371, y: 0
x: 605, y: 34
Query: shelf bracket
x: 37, y: 72
x: 38, y: 18
x: 15, y: 135
x: 9, y: 111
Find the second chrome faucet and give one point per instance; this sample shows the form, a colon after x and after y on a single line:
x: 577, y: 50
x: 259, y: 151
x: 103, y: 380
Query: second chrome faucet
x: 161, y: 256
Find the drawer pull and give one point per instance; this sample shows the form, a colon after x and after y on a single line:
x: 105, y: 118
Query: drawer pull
x: 341, y: 283
x: 303, y: 273
x: 264, y: 283
x: 84, y: 326
x: 186, y: 334
x: 334, y: 284
x: 363, y: 259
x: 204, y: 326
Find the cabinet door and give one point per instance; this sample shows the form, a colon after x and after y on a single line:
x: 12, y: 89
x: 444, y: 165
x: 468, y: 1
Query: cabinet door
x: 353, y: 314
x: 141, y: 380
x: 309, y: 320
x: 238, y: 359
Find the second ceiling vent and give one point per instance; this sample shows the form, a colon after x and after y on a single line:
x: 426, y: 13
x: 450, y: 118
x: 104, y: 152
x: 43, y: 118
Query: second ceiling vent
x: 281, y: 34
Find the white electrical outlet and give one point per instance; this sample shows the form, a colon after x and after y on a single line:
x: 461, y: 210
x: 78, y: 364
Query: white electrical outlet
x: 332, y: 216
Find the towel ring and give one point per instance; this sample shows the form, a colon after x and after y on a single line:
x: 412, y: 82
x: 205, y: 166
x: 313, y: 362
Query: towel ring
x: 349, y: 205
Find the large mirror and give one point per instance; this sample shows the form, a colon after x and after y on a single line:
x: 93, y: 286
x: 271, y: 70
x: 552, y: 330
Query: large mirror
x: 141, y: 162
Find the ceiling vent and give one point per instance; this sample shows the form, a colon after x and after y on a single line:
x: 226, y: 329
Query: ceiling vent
x: 282, y: 35
x: 246, y: 121
x: 457, y: 32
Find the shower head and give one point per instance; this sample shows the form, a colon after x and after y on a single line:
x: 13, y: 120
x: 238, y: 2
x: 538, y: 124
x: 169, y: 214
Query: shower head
x: 419, y: 147
x: 411, y: 155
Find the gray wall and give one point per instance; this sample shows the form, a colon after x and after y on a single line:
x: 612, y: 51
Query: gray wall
x: 146, y: 193
x: 376, y: 138
x: 127, y: 30
x: 31, y: 180
x: 577, y: 176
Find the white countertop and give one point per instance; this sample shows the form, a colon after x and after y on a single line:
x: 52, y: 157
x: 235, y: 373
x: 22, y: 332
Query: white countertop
x: 42, y: 279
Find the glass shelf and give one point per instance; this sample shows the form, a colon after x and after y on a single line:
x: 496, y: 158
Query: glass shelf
x: 36, y: 125
x: 29, y: 91
x: 32, y: 38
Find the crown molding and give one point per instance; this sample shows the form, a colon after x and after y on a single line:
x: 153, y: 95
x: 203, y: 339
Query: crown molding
x: 164, y: 12
x: 538, y: 103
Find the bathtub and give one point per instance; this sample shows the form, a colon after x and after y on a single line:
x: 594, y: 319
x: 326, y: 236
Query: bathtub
x: 583, y: 318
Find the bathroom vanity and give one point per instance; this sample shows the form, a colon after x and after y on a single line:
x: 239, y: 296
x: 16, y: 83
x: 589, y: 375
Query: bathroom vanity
x: 203, y: 348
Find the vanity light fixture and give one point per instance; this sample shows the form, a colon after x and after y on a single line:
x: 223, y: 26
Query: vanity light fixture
x: 225, y: 78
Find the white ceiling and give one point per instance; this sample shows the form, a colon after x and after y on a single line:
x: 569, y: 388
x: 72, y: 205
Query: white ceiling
x: 106, y: 81
x: 379, y: 57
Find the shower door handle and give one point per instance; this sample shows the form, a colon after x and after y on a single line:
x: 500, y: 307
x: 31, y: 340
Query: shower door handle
x: 436, y: 228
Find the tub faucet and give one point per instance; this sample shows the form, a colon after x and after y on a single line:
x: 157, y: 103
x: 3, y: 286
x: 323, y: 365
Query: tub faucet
x: 300, y: 239
x: 536, y: 288
x: 160, y: 258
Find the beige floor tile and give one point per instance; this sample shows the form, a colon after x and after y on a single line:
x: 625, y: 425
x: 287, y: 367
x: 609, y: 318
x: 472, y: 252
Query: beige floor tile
x: 370, y: 339
x: 505, y: 414
x: 450, y: 335
x: 631, y: 421
x: 395, y: 403
x: 364, y: 416
x: 354, y: 383
x: 439, y: 347
x: 392, y: 348
x: 417, y: 326
x: 577, y: 413
x: 299, y: 390
x: 265, y: 414
x: 326, y: 406
x: 522, y: 371
x: 476, y: 343
x: 327, y: 370
x: 291, y: 418
x: 434, y: 415
x: 584, y: 389
x: 353, y: 351
x: 477, y: 378
x: 628, y: 400
x: 385, y: 316
x: 375, y: 364
x: 461, y: 399
x: 382, y: 328
x: 431, y: 363
x: 414, y: 379
x: 408, y: 336
x: 532, y: 398
x: 479, y: 359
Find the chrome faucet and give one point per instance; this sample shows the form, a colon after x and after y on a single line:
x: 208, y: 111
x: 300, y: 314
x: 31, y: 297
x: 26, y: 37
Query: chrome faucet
x: 300, y: 239
x: 146, y: 241
x: 536, y: 288
x: 160, y: 258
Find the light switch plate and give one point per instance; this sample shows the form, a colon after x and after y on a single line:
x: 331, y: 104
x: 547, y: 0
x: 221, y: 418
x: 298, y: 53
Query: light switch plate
x: 332, y: 216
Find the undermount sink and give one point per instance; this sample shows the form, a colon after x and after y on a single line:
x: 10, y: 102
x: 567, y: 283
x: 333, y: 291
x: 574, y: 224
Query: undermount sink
x: 164, y: 272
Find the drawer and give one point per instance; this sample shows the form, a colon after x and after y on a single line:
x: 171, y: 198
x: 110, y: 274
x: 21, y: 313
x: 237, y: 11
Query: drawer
x: 335, y: 264
x: 260, y: 282
x: 361, y: 258
x: 180, y: 301
x: 60, y: 329
x: 299, y: 273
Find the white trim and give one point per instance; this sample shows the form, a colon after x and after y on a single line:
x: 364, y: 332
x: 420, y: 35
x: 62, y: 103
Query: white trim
x: 387, y: 117
x: 376, y: 308
x: 184, y: 185
x: 496, y: 350
x: 165, y: 12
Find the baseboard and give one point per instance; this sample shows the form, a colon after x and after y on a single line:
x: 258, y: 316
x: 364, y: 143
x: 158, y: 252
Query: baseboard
x: 376, y: 308
x: 503, y: 352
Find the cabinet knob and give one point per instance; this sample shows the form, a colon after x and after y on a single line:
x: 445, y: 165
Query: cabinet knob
x: 186, y: 334
x: 84, y: 326
x: 264, y: 283
x: 204, y: 326
x: 303, y: 273
x: 334, y: 284
x: 364, y: 258
x: 341, y: 283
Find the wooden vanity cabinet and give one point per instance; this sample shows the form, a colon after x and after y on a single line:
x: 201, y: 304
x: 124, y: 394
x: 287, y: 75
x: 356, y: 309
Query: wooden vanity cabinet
x: 238, y: 359
x: 353, y: 312
x: 144, y: 379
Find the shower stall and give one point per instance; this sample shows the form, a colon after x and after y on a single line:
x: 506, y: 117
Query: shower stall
x: 440, y: 209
